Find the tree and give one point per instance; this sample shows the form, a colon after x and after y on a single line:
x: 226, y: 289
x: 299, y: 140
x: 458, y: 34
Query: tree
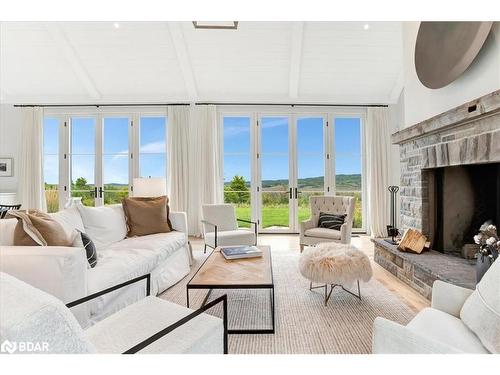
x: 237, y: 191
x: 80, y: 183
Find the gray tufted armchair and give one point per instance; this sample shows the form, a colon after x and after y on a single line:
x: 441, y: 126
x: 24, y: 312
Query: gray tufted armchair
x: 310, y: 234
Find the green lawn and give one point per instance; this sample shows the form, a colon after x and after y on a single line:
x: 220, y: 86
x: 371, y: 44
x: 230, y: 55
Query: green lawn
x: 278, y: 215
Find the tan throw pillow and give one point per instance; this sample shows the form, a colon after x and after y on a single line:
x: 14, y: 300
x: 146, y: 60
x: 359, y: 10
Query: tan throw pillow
x: 38, y: 228
x: 481, y: 311
x: 146, y: 216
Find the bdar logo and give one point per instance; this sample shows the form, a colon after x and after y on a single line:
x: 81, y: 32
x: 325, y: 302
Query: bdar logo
x: 8, y: 347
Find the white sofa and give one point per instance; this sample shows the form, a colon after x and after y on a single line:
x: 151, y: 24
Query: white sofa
x: 64, y: 271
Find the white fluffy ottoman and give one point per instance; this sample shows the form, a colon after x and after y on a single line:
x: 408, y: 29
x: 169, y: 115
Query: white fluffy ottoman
x: 335, y: 264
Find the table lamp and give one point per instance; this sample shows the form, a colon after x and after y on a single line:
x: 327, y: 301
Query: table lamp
x: 150, y: 187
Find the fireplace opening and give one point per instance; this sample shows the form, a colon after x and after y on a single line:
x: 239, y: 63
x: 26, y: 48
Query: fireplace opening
x: 461, y: 199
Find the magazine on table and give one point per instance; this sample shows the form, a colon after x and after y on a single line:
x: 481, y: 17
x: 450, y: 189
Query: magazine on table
x: 240, y: 252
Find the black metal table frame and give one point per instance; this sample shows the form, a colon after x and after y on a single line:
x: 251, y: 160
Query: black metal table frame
x: 210, y: 287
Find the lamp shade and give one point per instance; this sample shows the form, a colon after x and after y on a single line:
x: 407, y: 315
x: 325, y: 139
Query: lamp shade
x: 150, y: 187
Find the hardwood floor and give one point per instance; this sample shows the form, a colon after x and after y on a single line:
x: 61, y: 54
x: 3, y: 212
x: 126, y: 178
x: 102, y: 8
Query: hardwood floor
x: 290, y: 242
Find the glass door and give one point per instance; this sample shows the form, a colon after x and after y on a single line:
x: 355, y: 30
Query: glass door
x: 115, y: 159
x: 310, y: 163
x: 347, y: 134
x: 276, y: 191
x: 83, y: 159
x: 100, y: 158
x: 237, y: 162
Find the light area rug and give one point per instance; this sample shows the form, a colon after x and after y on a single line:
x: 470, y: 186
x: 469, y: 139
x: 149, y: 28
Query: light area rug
x: 303, y: 324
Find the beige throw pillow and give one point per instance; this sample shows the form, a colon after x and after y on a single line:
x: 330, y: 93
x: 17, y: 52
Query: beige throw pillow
x: 481, y: 311
x: 38, y: 228
x: 146, y: 216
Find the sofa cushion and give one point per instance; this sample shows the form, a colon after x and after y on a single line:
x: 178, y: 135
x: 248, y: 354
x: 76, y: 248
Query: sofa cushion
x: 146, y: 215
x: 447, y: 329
x: 125, y: 260
x: 7, y: 227
x: 27, y: 314
x: 231, y: 237
x: 323, y: 233
x: 133, y: 257
x: 105, y: 225
x: 481, y: 311
x: 135, y: 323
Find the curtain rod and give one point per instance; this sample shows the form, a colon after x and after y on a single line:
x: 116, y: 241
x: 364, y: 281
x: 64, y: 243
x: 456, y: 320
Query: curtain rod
x: 198, y: 103
x: 98, y: 105
x: 293, y: 104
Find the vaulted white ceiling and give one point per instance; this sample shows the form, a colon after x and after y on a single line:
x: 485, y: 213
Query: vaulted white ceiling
x: 273, y: 62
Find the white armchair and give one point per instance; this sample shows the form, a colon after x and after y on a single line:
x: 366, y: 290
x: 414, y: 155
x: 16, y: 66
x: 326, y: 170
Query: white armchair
x: 310, y: 234
x: 437, y: 329
x: 151, y: 325
x: 220, y: 227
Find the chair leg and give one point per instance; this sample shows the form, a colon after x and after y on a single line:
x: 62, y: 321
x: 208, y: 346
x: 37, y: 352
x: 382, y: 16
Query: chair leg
x: 326, y: 294
x: 205, y: 249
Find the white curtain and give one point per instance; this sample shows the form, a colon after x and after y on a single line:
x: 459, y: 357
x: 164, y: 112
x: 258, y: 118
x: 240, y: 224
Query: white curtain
x: 205, y: 164
x: 178, y: 157
x: 194, y: 159
x: 378, y: 143
x: 31, y: 191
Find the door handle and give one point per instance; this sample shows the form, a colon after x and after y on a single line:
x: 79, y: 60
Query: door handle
x: 100, y: 191
x: 296, y: 193
x: 95, y: 192
x: 290, y: 192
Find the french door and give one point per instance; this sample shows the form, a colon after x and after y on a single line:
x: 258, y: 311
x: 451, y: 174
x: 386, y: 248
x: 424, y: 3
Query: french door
x: 291, y: 167
x: 99, y: 156
x: 274, y: 162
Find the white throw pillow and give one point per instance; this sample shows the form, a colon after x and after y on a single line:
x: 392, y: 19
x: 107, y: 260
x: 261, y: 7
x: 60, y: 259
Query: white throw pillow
x: 104, y: 225
x: 70, y: 219
x: 481, y: 311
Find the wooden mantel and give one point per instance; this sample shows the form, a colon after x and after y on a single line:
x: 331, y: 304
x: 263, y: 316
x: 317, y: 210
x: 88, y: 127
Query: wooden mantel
x: 484, y: 106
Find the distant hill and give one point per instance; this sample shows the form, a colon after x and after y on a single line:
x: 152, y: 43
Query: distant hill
x: 346, y: 182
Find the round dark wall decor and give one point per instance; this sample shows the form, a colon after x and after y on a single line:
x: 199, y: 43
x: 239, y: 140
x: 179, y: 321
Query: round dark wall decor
x: 444, y: 50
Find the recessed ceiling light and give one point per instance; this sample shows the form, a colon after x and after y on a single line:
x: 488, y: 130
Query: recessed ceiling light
x: 366, y: 26
x: 116, y: 25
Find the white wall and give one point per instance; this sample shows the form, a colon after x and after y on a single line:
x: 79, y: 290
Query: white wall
x: 482, y: 77
x: 11, y: 122
x: 396, y: 122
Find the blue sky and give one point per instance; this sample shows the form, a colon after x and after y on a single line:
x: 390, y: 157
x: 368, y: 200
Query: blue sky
x: 152, y: 158
x: 274, y: 152
x: 275, y: 148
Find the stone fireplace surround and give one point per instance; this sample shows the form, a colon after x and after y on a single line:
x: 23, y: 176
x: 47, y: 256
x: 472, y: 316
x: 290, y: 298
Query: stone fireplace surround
x: 468, y: 134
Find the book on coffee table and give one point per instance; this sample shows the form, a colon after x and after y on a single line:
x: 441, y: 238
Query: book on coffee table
x: 240, y: 252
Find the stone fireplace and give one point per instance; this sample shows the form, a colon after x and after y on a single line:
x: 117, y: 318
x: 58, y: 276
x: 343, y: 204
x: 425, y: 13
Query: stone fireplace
x: 450, y: 185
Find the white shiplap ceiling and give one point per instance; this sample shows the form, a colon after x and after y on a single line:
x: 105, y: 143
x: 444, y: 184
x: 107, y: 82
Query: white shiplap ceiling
x: 272, y: 62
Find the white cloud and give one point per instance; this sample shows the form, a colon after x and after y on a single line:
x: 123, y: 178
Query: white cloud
x: 153, y: 148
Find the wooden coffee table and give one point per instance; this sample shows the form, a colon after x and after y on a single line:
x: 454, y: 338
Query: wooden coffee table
x: 252, y: 273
